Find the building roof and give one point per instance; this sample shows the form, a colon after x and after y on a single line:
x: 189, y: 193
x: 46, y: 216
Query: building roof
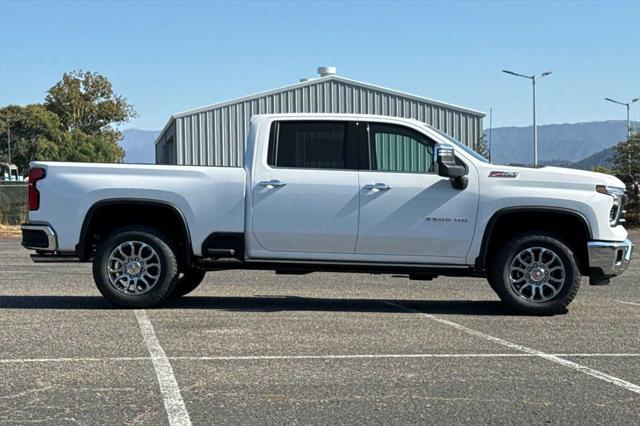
x: 312, y: 82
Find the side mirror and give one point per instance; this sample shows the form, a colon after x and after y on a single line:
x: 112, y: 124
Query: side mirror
x: 447, y: 167
x: 446, y: 161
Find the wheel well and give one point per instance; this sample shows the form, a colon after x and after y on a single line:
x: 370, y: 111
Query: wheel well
x: 104, y: 217
x: 570, y: 227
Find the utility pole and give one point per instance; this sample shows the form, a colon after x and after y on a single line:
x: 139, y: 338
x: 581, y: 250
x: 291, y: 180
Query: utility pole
x: 535, y: 127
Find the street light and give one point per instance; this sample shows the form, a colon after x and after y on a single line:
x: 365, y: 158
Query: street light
x: 627, y: 105
x: 628, y: 121
x: 535, y: 128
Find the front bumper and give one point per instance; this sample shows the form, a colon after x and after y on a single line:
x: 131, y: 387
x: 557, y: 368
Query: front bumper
x: 39, y: 237
x: 607, y: 258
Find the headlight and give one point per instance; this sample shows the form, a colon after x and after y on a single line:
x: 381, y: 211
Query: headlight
x: 619, y: 200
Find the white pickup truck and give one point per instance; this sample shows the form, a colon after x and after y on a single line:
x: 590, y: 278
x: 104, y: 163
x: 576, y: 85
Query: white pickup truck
x: 348, y: 193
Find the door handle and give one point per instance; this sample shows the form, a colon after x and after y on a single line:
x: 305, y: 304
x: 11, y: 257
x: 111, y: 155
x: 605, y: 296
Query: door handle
x: 274, y: 183
x: 378, y: 186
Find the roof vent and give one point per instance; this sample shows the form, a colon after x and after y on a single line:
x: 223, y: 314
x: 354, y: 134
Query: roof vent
x: 302, y: 80
x: 326, y: 71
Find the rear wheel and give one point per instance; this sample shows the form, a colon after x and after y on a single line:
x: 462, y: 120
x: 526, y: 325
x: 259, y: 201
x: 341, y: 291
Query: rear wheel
x: 535, y: 273
x: 188, y: 281
x: 135, y: 267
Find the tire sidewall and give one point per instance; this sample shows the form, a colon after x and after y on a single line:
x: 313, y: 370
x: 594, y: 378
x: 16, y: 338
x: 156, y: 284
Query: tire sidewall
x: 168, y: 273
x: 501, y: 277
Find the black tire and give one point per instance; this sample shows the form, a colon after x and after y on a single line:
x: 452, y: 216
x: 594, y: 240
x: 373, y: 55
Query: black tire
x: 168, y: 270
x: 189, y: 281
x: 500, y: 275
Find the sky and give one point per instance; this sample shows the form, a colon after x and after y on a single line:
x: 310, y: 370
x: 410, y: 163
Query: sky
x: 170, y: 56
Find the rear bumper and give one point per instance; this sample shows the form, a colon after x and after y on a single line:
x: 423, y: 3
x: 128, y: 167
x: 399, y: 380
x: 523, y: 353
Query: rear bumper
x: 608, y: 259
x: 39, y: 237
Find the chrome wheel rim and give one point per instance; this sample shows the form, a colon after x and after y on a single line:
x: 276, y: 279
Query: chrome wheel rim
x: 133, y: 267
x: 537, y: 274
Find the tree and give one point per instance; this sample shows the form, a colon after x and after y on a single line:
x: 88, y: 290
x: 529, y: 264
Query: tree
x: 626, y: 162
x: 602, y: 169
x: 482, y: 148
x: 35, y: 134
x: 626, y: 159
x: 76, y: 123
x: 85, y: 101
x: 88, y: 109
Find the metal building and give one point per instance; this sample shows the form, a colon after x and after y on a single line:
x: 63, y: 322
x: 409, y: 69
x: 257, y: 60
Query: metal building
x: 215, y: 135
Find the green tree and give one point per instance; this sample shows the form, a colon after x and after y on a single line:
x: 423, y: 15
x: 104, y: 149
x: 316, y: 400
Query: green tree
x: 100, y: 148
x: 35, y: 134
x: 602, y: 169
x: 626, y: 159
x: 85, y: 101
x: 76, y: 123
x: 482, y: 148
x: 88, y: 109
x: 626, y: 163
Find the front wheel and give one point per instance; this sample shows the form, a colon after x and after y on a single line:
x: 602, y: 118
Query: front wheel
x: 535, y: 273
x: 135, y: 267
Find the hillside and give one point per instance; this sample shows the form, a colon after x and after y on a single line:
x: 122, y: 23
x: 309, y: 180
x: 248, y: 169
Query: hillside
x: 557, y: 143
x: 601, y: 158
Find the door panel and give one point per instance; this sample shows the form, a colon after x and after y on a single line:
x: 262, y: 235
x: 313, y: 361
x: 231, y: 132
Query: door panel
x: 314, y: 212
x: 420, y: 215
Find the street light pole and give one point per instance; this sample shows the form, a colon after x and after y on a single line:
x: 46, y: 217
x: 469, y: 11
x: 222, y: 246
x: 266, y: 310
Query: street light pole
x: 627, y: 105
x: 535, y: 126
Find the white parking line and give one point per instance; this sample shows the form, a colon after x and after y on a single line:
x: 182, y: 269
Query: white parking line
x: 549, y: 357
x: 36, y: 360
x: 626, y: 303
x: 173, y: 402
x: 324, y: 357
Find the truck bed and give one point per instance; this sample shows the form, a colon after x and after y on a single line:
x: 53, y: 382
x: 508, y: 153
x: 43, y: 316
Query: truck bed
x: 211, y: 199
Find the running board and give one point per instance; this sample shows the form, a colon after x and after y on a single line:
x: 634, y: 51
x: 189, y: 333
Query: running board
x: 418, y: 271
x: 218, y: 253
x: 55, y: 258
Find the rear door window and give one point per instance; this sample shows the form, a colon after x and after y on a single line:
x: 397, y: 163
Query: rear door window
x: 312, y: 145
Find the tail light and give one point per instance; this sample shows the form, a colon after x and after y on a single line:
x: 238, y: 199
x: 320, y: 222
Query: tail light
x: 35, y: 175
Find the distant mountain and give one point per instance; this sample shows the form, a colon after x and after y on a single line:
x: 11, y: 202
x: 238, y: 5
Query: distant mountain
x: 138, y: 145
x: 558, y: 144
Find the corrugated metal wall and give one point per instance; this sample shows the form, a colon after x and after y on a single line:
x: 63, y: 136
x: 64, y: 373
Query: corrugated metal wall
x: 216, y: 137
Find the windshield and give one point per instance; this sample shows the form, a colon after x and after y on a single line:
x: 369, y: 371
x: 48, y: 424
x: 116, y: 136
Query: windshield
x: 460, y: 145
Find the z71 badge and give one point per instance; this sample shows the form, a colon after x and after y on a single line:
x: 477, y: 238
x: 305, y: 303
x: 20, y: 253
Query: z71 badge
x: 503, y: 174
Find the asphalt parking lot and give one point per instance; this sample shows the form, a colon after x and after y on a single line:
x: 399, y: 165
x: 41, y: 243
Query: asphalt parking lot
x: 255, y: 347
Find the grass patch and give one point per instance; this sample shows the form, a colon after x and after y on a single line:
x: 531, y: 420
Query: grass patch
x: 10, y: 231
